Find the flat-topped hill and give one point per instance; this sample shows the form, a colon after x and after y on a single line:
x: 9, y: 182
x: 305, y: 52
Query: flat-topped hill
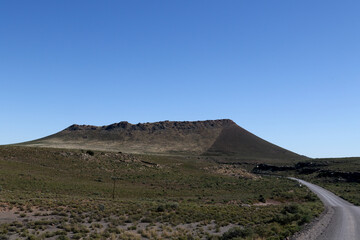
x: 211, y: 137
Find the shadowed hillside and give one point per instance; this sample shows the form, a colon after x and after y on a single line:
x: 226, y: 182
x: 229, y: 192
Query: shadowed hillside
x: 212, y: 137
x: 236, y: 141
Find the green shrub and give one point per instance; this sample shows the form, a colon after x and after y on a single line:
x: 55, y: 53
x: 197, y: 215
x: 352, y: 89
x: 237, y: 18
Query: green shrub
x: 261, y: 199
x: 91, y: 153
x: 160, y: 208
x: 292, y: 208
x: 172, y: 205
x: 237, y: 232
x: 62, y: 237
x: 305, y: 219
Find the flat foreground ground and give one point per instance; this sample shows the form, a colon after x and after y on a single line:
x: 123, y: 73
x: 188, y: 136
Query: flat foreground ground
x: 60, y: 194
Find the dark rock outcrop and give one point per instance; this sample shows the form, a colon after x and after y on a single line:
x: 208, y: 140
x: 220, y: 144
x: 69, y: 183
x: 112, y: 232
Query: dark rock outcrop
x: 347, y: 176
x: 265, y: 167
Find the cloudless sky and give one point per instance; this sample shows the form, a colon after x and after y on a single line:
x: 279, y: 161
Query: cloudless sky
x: 288, y: 71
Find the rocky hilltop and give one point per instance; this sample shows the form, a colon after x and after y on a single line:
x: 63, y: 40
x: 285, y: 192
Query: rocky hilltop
x: 152, y: 127
x: 212, y: 137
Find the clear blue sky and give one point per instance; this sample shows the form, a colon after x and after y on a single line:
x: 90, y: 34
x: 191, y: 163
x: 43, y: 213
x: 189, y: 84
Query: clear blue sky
x: 288, y: 71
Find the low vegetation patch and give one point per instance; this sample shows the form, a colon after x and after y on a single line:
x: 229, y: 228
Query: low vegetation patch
x: 74, y: 194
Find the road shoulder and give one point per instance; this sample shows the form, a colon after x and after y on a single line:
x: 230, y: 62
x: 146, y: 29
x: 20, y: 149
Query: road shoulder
x: 315, y: 228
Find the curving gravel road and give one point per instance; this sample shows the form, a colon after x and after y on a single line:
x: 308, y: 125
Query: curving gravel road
x: 344, y: 222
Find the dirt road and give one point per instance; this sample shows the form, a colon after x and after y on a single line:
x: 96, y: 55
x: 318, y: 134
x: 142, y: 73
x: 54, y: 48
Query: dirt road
x: 345, y: 217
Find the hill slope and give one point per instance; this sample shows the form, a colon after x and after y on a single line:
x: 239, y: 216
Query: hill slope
x: 234, y: 140
x: 212, y: 137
